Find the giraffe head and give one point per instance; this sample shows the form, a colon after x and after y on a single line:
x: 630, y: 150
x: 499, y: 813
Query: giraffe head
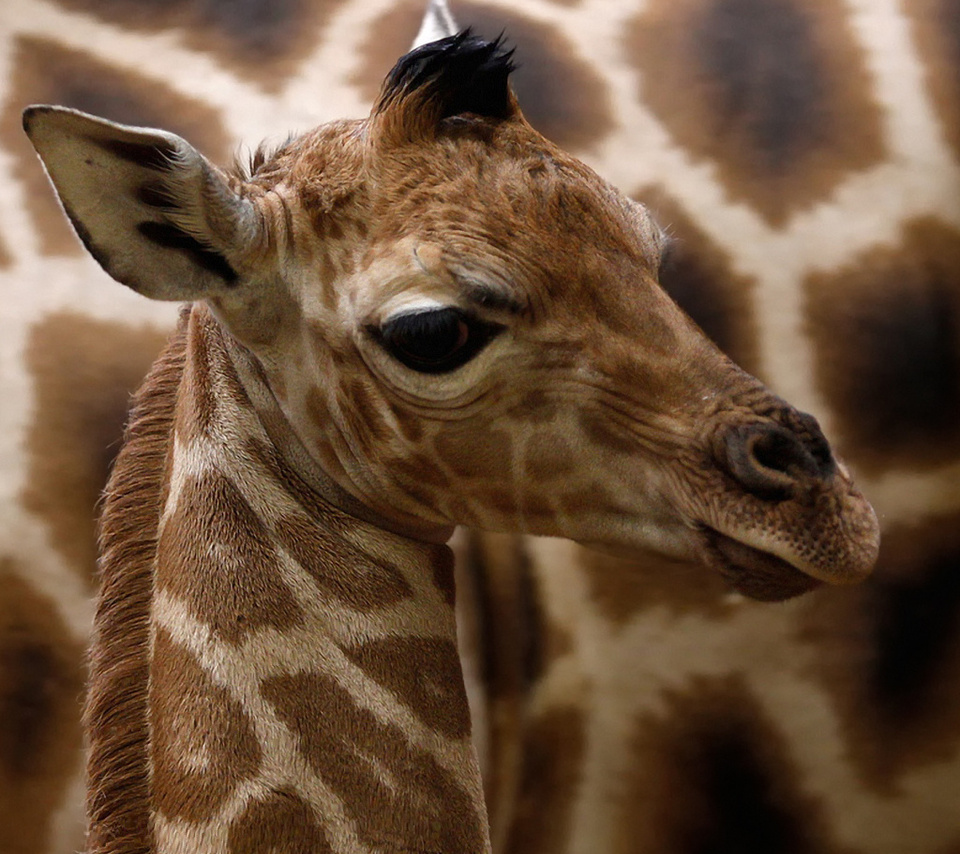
x: 462, y: 325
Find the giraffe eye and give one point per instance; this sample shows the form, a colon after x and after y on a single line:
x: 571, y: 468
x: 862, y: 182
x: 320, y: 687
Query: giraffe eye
x: 435, y: 341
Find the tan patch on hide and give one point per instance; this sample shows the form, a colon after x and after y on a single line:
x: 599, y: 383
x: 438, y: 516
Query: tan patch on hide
x: 217, y: 557
x: 891, y: 654
x: 886, y: 333
x: 421, y: 808
x: 261, y: 40
x: 283, y: 817
x: 552, y: 753
x: 716, y: 776
x: 774, y: 93
x: 84, y: 373
x: 559, y: 92
x: 41, y: 683
x: 202, y: 744
x: 45, y: 72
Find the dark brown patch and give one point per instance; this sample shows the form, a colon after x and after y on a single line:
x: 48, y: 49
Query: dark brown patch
x: 357, y: 579
x: 217, y: 557
x: 719, y: 778
x: 190, y: 715
x: 559, y: 93
x: 115, y: 716
x: 936, y: 27
x: 84, y: 372
x: 425, y: 809
x: 45, y: 72
x: 424, y: 674
x: 623, y: 588
x: 552, y: 753
x: 887, y: 334
x: 698, y: 275
x: 892, y: 654
x: 262, y: 40
x: 282, y: 815
x: 41, y: 682
x: 774, y: 92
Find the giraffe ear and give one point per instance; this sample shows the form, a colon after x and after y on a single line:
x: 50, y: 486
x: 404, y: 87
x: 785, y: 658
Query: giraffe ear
x: 458, y: 75
x: 155, y: 214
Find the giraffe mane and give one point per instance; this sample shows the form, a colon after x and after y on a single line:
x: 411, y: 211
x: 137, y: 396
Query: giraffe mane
x: 116, y: 704
x: 455, y: 75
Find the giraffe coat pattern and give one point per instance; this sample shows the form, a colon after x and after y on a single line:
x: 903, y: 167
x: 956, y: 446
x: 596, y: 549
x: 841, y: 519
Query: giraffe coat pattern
x: 736, y: 297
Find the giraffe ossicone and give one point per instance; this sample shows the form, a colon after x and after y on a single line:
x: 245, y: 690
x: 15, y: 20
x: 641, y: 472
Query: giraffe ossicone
x: 429, y: 317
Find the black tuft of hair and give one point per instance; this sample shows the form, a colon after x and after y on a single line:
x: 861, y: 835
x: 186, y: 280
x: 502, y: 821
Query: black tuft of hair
x: 461, y: 74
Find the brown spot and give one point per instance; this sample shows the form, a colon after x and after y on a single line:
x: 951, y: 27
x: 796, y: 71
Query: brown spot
x: 536, y: 407
x: 280, y: 818
x: 357, y: 579
x: 774, y: 92
x: 45, y: 72
x: 560, y: 94
x: 886, y: 330
x: 605, y: 432
x: 586, y: 498
x: 552, y: 753
x: 192, y: 720
x: 472, y: 453
x: 717, y: 776
x: 317, y: 407
x: 41, y: 683
x: 547, y: 456
x: 262, y: 40
x: 217, y: 557
x: 84, y: 372
x: 424, y: 674
x: 891, y: 654
x: 418, y: 472
x: 623, y: 588
x: 698, y: 275
x: 936, y: 26
x: 5, y: 258
x: 422, y: 809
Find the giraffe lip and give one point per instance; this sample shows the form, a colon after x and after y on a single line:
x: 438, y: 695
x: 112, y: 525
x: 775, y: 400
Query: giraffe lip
x: 754, y: 573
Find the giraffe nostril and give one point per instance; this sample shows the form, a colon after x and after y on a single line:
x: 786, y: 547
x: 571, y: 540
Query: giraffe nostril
x: 773, y: 462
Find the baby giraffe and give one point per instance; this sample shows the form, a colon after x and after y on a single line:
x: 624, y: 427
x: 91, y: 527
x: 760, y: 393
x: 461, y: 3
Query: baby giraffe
x: 425, y: 318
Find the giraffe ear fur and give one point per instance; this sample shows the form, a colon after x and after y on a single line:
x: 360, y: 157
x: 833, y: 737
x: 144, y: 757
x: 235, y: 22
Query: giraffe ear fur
x: 457, y: 75
x: 153, y: 212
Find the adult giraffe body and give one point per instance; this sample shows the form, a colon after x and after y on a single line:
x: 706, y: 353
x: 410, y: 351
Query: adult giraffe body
x: 427, y: 318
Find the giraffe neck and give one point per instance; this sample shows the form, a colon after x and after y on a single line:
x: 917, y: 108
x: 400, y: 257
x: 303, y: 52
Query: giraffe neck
x: 291, y: 671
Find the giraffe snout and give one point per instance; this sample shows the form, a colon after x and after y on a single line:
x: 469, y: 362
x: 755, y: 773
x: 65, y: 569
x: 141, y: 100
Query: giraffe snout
x: 776, y: 461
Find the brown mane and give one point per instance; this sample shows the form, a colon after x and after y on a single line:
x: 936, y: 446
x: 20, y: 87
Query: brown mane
x: 116, y: 705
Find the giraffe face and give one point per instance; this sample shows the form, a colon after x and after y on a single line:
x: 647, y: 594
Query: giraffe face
x: 463, y: 326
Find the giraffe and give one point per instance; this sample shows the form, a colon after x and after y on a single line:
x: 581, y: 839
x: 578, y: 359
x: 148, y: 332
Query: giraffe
x: 837, y: 711
x: 373, y: 352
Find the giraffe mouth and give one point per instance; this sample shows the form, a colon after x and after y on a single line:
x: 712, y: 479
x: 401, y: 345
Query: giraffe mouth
x: 754, y: 573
